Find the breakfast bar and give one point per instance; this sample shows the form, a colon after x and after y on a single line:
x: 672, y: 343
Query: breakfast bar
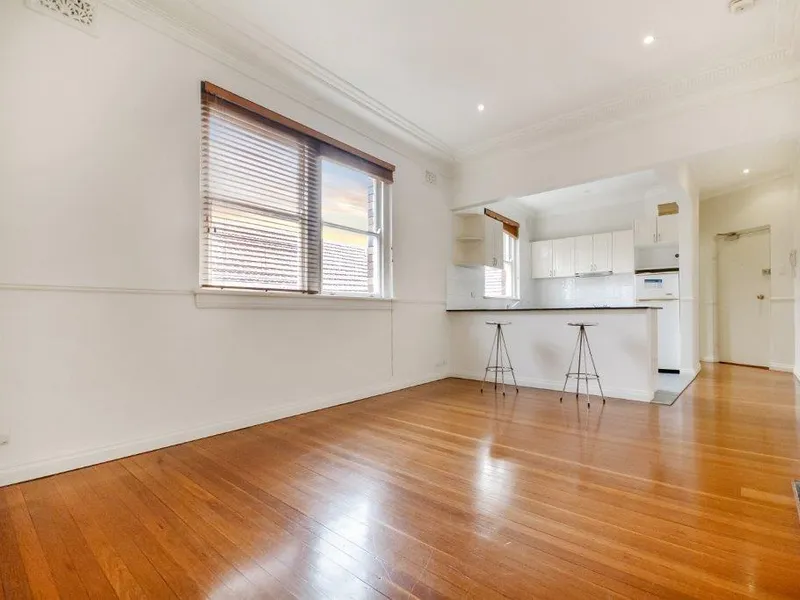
x: 540, y: 343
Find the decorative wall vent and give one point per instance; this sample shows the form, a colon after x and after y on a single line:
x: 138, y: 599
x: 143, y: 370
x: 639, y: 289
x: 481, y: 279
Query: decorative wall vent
x: 430, y: 178
x: 78, y: 13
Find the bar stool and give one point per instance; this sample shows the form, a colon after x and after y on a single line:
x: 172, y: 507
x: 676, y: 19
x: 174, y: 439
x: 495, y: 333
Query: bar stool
x: 499, y: 362
x: 584, y: 352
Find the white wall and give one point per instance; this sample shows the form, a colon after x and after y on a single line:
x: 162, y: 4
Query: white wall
x: 102, y: 350
x: 773, y: 204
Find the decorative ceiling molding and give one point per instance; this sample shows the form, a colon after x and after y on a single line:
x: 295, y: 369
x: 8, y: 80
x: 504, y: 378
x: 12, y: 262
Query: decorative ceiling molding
x: 751, y: 74
x: 248, y: 48
x: 746, y: 184
x: 251, y: 49
x: 237, y: 51
x: 780, y: 64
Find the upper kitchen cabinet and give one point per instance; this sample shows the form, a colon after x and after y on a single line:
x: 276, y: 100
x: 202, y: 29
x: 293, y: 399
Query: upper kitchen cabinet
x: 564, y: 257
x: 652, y: 231
x: 622, y: 252
x: 478, y: 241
x: 602, y: 252
x: 542, y: 259
x: 584, y: 254
x: 667, y: 229
x: 593, y: 253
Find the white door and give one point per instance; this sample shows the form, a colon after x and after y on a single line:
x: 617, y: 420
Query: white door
x: 602, y: 244
x: 564, y: 257
x: 622, y: 252
x: 584, y: 253
x: 743, y: 297
x: 542, y: 259
x: 644, y: 232
x: 668, y: 229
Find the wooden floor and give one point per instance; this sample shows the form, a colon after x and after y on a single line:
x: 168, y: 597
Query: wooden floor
x: 438, y: 492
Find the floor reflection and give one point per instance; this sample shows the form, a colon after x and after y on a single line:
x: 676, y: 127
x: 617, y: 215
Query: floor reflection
x: 495, y: 479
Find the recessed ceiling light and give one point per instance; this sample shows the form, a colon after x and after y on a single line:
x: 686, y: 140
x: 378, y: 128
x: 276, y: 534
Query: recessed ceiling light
x: 481, y: 108
x: 648, y: 39
x: 746, y: 171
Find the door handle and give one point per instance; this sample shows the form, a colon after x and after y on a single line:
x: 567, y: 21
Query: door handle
x: 760, y: 296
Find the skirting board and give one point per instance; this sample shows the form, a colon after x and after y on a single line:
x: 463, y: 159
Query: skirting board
x: 622, y: 393
x: 70, y: 462
x: 781, y: 367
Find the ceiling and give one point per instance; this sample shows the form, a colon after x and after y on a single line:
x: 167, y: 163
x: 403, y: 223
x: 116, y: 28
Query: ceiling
x: 429, y: 63
x: 623, y: 189
x: 722, y: 171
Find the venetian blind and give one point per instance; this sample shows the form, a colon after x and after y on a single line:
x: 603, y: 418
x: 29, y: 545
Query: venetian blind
x: 261, y: 187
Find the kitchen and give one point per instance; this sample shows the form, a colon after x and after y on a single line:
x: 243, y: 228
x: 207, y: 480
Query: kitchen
x: 607, y: 252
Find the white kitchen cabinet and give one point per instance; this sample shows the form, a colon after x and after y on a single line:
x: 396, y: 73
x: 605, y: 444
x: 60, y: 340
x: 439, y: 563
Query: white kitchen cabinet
x: 542, y: 259
x: 652, y: 231
x: 564, y: 257
x: 478, y: 241
x: 601, y: 252
x: 622, y: 252
x: 667, y: 229
x: 593, y: 253
x: 584, y: 250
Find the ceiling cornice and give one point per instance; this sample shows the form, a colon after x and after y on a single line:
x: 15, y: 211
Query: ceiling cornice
x: 749, y: 183
x: 272, y: 64
x: 780, y: 64
x: 251, y: 49
x: 749, y: 75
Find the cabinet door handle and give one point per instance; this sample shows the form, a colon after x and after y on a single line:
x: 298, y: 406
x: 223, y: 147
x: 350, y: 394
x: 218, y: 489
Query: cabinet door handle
x: 654, y: 238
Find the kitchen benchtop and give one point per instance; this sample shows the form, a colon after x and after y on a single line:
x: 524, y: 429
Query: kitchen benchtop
x: 562, y: 308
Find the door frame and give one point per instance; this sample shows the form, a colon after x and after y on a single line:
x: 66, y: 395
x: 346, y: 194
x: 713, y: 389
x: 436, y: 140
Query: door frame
x: 718, y: 238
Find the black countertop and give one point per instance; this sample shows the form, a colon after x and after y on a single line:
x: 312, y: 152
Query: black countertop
x: 544, y: 308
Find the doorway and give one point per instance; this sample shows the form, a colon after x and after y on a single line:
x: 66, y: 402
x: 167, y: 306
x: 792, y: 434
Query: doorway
x: 743, y: 297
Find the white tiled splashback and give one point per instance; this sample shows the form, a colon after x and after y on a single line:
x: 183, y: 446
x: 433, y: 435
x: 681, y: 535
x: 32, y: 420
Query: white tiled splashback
x: 612, y: 290
x: 465, y: 290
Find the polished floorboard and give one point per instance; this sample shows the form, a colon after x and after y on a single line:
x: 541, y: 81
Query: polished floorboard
x: 437, y: 491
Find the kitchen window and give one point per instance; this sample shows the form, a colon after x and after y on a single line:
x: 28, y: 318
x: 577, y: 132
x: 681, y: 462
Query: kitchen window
x: 504, y: 282
x: 287, y: 209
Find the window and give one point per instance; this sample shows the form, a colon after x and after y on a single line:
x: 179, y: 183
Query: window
x: 503, y: 283
x: 286, y: 208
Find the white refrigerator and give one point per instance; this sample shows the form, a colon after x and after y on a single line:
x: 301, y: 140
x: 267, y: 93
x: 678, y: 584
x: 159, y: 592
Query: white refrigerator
x: 662, y: 290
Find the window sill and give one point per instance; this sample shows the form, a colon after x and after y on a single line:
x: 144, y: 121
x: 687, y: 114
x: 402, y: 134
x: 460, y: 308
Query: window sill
x: 251, y: 299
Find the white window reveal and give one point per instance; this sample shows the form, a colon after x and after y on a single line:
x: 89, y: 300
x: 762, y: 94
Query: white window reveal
x: 504, y: 282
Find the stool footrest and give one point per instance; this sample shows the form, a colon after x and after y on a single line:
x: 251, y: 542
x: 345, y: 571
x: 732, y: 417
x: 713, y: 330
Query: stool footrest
x: 582, y: 376
x: 499, y: 369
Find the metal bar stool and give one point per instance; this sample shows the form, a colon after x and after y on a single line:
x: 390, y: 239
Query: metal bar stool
x: 584, y: 352
x: 499, y: 361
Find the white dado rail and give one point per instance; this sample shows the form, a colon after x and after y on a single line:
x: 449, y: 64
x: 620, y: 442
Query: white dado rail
x: 540, y: 344
x: 601, y: 253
